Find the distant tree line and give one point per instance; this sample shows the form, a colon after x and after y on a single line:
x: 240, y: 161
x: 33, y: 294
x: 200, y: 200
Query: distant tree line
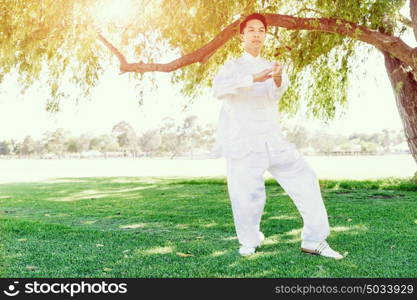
x: 385, y: 141
x: 188, y: 138
x: 170, y: 139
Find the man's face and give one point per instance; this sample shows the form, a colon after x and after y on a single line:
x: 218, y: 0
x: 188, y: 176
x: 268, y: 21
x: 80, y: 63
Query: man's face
x: 253, y: 35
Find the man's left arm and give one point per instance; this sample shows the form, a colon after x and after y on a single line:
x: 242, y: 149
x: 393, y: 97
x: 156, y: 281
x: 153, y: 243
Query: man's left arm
x: 278, y: 85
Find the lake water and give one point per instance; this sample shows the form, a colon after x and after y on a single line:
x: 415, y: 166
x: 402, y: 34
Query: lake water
x: 326, y: 167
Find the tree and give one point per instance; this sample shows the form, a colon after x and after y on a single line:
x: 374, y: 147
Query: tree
x: 4, y: 148
x: 9, y: 147
x: 126, y: 136
x: 72, y: 146
x: 56, y: 141
x: 177, y: 139
x: 79, y: 144
x: 320, y: 38
x: 149, y: 141
x: 399, y: 137
x: 172, y: 138
x: 28, y: 146
x: 347, y: 146
x: 369, y: 147
x: 203, y: 137
x: 297, y: 135
x: 322, y: 141
x: 104, y: 143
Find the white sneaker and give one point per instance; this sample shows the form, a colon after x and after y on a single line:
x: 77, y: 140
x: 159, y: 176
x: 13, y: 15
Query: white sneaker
x: 321, y: 248
x: 245, y: 251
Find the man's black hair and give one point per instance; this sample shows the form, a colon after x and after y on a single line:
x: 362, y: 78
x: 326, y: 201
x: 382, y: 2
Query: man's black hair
x: 252, y: 17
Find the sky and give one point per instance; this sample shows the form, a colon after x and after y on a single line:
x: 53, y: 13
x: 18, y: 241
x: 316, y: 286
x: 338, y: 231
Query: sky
x: 371, y: 105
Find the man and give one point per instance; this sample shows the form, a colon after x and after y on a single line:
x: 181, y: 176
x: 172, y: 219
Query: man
x: 249, y: 137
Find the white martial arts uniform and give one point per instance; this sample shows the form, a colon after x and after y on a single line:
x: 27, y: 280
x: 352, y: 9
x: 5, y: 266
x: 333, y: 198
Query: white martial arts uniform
x: 249, y: 137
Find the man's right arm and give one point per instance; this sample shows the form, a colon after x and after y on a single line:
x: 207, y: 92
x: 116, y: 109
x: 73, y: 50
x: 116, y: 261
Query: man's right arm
x: 229, y: 80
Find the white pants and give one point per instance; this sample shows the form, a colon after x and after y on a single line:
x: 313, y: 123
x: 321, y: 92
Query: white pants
x: 246, y: 187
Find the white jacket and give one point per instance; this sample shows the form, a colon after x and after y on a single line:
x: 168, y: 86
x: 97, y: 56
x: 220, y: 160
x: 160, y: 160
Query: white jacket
x: 249, y: 116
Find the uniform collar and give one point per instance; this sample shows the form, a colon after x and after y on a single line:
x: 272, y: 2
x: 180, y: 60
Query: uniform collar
x: 249, y: 56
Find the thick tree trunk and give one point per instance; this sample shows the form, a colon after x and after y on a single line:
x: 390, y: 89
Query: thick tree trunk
x: 405, y: 92
x: 413, y: 14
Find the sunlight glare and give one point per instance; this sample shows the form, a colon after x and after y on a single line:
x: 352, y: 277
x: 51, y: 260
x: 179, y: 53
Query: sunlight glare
x: 119, y: 12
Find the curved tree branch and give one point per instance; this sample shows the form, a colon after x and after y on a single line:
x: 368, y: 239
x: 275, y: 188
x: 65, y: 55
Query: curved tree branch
x: 201, y: 55
x: 384, y: 42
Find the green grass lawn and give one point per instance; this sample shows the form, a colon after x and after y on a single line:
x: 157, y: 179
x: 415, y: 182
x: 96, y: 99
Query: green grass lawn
x: 149, y: 227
